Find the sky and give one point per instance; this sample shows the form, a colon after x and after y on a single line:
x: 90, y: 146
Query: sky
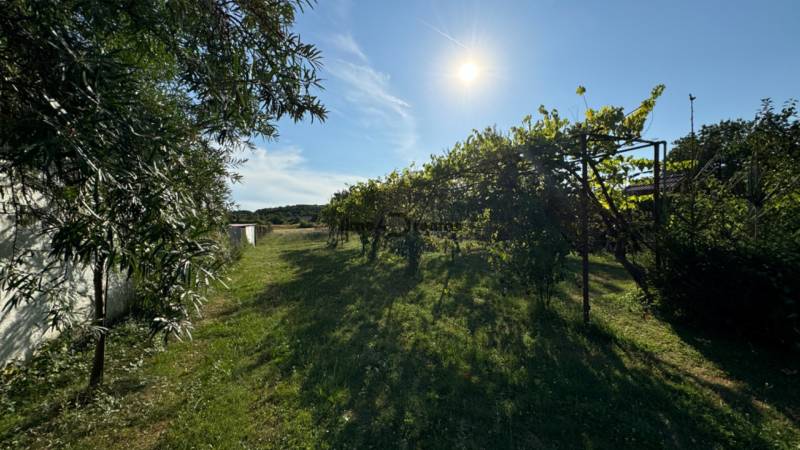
x: 392, y: 76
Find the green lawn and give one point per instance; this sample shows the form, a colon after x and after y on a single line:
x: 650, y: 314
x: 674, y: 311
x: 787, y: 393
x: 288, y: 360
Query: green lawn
x: 315, y: 348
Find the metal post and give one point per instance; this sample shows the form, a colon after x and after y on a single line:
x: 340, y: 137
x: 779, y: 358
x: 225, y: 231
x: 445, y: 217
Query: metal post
x: 656, y: 203
x: 663, y: 216
x: 584, y: 219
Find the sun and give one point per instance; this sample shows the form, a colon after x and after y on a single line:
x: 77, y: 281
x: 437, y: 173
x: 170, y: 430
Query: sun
x: 468, y: 72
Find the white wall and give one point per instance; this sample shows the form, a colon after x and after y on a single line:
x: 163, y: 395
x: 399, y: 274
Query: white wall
x: 250, y: 234
x: 23, y: 328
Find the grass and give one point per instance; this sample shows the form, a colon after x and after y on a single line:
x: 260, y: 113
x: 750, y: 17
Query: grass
x: 315, y: 348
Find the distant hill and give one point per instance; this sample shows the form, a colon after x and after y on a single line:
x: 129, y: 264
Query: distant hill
x: 277, y: 216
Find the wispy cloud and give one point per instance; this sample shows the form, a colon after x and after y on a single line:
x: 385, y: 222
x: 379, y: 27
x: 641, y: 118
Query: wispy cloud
x: 345, y: 43
x: 369, y: 88
x: 278, y: 177
x: 381, y: 115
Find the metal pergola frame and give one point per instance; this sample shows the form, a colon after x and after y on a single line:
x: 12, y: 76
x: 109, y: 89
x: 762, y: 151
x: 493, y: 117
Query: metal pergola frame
x: 634, y: 143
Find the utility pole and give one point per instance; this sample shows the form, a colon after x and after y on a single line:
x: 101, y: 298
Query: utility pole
x: 692, y: 98
x: 693, y: 203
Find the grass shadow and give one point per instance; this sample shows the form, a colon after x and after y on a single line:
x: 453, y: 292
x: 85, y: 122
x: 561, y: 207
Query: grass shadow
x: 767, y: 377
x: 387, y: 361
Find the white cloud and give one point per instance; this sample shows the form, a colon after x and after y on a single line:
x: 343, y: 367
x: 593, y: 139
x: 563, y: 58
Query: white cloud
x: 363, y: 96
x: 380, y: 115
x: 279, y: 177
x: 345, y: 43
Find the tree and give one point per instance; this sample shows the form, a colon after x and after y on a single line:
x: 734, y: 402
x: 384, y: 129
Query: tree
x: 117, y: 127
x: 732, y: 249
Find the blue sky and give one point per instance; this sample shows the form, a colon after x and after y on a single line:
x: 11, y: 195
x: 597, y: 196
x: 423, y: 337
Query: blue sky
x: 391, y: 84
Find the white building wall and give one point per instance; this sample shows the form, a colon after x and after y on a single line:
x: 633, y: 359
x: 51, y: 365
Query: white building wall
x: 250, y: 234
x: 24, y: 328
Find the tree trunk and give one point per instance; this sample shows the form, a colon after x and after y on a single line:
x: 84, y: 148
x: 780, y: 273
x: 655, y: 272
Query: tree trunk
x: 636, y: 272
x: 96, y: 377
x: 376, y: 239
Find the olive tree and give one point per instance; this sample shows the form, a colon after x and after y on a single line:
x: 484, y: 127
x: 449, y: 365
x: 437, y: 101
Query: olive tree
x: 118, y: 123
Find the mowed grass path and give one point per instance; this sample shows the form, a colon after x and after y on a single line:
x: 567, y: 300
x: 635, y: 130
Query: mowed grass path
x: 315, y: 348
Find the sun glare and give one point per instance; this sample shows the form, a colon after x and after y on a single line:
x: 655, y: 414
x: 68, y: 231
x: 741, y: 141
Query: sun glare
x: 468, y: 72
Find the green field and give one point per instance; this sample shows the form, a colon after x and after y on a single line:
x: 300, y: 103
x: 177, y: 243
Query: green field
x: 315, y: 348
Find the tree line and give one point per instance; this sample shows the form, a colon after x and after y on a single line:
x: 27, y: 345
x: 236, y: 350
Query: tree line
x: 291, y: 214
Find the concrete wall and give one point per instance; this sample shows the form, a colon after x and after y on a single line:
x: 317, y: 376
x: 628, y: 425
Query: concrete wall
x: 236, y: 235
x: 242, y: 234
x: 24, y: 328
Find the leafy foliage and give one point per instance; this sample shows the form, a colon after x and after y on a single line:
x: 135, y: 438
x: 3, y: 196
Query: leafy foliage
x: 732, y: 246
x: 117, y: 128
x: 516, y: 194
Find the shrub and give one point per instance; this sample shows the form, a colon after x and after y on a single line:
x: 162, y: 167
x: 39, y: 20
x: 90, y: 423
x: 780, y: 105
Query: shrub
x: 751, y: 291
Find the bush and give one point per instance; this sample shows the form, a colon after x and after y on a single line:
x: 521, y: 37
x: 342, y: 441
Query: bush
x: 304, y: 224
x: 752, y: 292
x: 730, y: 243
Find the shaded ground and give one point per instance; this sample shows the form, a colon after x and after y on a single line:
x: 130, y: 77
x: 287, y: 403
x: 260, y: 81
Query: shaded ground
x: 314, y: 348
